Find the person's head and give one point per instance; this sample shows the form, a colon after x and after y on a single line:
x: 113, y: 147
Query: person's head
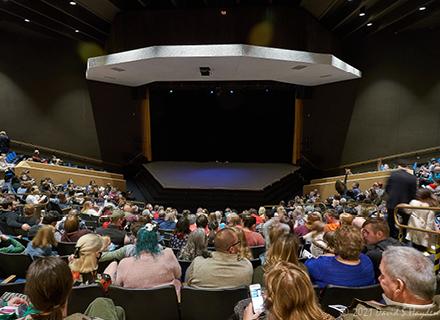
x: 355, y: 185
x: 88, y: 250
x: 29, y: 210
x: 201, y: 221
x: 45, y: 237
x: 233, y: 220
x: 243, y: 248
x: 147, y: 240
x: 281, y: 211
x: 331, y: 216
x: 346, y: 219
x: 196, y: 244
x: 403, y: 163
x: 226, y: 241
x: 276, y: 230
x: 348, y: 242
x: 117, y: 217
x: 87, y: 205
x: 290, y: 293
x: 284, y: 248
x: 375, y: 230
x: 426, y: 195
x: 71, y: 224
x: 170, y: 216
x: 182, y: 226
x: 34, y: 190
x: 249, y: 222
x: 48, y: 285
x: 407, y: 276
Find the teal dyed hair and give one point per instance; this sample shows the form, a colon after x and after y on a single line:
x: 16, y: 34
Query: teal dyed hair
x: 147, y: 241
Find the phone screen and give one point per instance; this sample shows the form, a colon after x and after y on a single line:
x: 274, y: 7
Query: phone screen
x: 257, y: 298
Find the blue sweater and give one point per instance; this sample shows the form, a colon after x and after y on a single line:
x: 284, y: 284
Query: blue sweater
x: 326, y: 270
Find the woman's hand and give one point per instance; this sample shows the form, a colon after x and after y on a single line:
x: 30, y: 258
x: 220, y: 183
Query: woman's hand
x: 249, y: 313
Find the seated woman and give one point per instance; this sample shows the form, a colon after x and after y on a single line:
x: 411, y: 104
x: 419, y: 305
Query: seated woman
x: 72, y: 232
x: 289, y: 295
x: 244, y: 251
x: 283, y: 248
x: 181, y: 233
x: 84, y: 264
x: 348, y: 267
x: 43, y: 243
x: 150, y: 267
x: 196, y: 246
x: 48, y: 286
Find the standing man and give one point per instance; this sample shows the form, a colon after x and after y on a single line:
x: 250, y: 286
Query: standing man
x: 4, y: 142
x: 401, y: 188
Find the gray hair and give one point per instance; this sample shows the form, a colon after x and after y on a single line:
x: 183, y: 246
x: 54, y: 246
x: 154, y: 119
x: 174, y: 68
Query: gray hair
x: 413, y: 268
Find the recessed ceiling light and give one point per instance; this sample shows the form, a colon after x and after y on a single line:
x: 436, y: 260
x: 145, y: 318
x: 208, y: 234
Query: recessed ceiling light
x: 27, y: 20
x: 171, y: 91
x: 223, y: 12
x: 422, y: 8
x: 72, y: 3
x: 76, y: 30
x: 231, y: 91
x: 362, y: 12
x: 369, y: 24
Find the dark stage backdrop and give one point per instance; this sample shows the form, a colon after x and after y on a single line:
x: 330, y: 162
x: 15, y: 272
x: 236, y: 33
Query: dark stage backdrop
x: 211, y: 123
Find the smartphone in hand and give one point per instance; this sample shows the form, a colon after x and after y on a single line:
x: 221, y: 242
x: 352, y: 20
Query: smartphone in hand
x: 257, y: 298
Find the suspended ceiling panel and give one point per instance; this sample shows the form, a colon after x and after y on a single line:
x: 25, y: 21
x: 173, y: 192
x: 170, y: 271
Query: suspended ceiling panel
x: 225, y: 62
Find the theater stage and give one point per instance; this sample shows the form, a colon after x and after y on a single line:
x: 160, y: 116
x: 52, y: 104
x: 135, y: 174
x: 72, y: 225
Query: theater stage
x: 217, y: 185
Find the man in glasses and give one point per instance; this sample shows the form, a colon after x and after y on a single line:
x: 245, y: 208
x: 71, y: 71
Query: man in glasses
x: 224, y: 269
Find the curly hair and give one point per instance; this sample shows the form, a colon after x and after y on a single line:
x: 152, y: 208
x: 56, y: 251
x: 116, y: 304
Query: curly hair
x: 348, y: 242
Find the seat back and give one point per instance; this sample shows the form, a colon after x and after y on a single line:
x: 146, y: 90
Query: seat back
x: 65, y: 248
x: 17, y: 287
x: 14, y: 264
x: 82, y: 296
x: 214, y: 304
x: 184, y: 266
x: 155, y: 303
x: 338, y: 295
x: 257, y: 250
x: 255, y: 262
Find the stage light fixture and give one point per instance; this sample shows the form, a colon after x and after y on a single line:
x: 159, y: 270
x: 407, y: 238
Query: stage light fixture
x: 422, y: 8
x: 231, y: 91
x: 369, y: 24
x: 211, y: 92
x: 77, y: 31
x: 171, y: 91
x: 223, y: 12
x: 27, y: 20
x: 72, y: 3
x: 362, y: 12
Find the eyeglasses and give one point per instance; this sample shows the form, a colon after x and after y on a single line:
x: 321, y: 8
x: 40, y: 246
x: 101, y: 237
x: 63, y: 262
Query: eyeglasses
x: 233, y: 245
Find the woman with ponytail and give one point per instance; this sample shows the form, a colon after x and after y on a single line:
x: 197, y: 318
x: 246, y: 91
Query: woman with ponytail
x: 84, y: 264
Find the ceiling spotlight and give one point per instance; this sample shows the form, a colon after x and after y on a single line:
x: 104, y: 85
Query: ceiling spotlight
x: 369, y: 24
x: 211, y: 92
x: 27, y: 20
x: 72, y: 3
x: 231, y: 91
x: 267, y: 90
x: 76, y: 30
x: 223, y: 12
x: 362, y: 12
x: 171, y: 91
x: 422, y: 8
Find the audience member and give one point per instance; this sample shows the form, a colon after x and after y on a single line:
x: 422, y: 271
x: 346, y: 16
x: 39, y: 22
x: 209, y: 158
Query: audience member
x: 243, y: 250
x: 348, y: 268
x: 223, y: 269
x: 162, y: 265
x: 9, y: 245
x: 72, y: 232
x: 409, y: 284
x: 114, y: 229
x: 195, y: 246
x: 331, y: 217
x: 180, y: 234
x: 253, y: 238
x: 50, y: 218
x: 376, y: 234
x: 43, y: 243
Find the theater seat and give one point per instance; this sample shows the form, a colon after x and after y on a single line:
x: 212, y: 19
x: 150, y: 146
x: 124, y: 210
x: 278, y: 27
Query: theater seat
x: 82, y: 296
x: 257, y: 250
x: 212, y: 304
x: 14, y: 264
x: 338, y: 295
x: 156, y: 303
x: 65, y: 248
x: 17, y: 287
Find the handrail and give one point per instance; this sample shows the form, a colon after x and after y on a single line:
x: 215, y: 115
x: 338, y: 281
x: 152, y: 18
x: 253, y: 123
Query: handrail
x: 406, y: 206
x: 64, y: 153
x: 394, y: 156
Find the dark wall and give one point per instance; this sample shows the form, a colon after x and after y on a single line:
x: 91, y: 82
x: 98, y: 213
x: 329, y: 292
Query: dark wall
x: 282, y: 27
x: 397, y: 107
x: 393, y: 108
x: 43, y: 92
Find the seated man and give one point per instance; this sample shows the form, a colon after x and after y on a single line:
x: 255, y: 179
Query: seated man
x: 114, y: 230
x: 376, y: 234
x: 332, y: 219
x: 20, y: 224
x: 224, y: 269
x: 408, y: 281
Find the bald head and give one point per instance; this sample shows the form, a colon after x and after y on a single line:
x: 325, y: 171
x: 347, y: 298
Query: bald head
x: 224, y: 240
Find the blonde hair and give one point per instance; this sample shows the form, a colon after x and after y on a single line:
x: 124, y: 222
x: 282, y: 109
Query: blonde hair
x: 284, y: 248
x: 290, y: 294
x: 244, y: 252
x: 346, y: 219
x: 44, y: 237
x: 85, y: 259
